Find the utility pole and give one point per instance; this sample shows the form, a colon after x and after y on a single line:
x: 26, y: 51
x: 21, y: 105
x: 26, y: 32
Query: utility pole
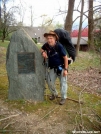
x: 0, y: 10
x: 31, y: 10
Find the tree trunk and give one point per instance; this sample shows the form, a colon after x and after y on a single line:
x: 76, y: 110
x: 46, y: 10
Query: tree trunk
x: 69, y: 17
x: 90, y: 26
x: 80, y: 28
x: 2, y: 39
x: 4, y: 35
x: 4, y: 21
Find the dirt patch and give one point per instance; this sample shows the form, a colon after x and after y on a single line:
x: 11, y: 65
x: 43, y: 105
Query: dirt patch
x: 17, y: 122
x: 89, y: 78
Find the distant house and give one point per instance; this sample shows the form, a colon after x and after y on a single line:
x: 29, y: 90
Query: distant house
x: 83, y: 43
x: 83, y: 40
x: 36, y: 33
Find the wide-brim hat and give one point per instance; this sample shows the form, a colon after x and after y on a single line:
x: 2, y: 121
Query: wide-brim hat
x: 52, y: 33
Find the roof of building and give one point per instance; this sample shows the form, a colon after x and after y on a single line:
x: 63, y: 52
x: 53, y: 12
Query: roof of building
x: 83, y: 40
x: 84, y: 33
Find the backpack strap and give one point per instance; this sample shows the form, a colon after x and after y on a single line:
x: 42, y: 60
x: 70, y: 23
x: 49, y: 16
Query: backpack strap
x: 64, y: 48
x: 66, y: 51
x: 47, y: 47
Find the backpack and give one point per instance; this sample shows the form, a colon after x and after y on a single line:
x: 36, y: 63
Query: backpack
x: 65, y: 40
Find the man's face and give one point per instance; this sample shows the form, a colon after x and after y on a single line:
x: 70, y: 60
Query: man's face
x: 51, y: 40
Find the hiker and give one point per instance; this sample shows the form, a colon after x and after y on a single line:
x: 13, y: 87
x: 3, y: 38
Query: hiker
x: 54, y: 52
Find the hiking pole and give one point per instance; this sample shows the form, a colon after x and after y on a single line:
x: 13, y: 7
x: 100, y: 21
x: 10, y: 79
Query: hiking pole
x: 47, y: 74
x: 46, y: 71
x: 45, y: 63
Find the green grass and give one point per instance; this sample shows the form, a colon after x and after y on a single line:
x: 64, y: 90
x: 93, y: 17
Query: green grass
x: 39, y: 45
x: 4, y: 44
x: 86, y: 60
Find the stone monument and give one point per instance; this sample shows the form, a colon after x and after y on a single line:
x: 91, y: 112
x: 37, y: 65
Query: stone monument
x: 24, y: 68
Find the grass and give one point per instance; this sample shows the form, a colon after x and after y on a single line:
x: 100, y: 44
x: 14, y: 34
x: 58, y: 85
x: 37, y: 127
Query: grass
x: 4, y: 44
x: 71, y: 110
x: 39, y: 45
x: 85, y: 61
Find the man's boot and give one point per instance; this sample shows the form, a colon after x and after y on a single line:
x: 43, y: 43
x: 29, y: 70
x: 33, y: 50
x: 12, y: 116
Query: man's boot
x: 53, y: 97
x: 62, y: 101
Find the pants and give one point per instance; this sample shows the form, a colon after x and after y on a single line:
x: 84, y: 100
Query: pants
x: 51, y: 78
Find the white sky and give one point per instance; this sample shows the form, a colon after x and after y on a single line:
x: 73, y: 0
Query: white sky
x: 45, y: 7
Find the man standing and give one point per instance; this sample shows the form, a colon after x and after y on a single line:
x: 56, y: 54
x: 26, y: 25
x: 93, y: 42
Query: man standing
x: 57, y: 64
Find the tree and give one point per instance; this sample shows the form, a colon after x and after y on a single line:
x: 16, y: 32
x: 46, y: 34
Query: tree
x: 22, y: 11
x: 58, y: 25
x: 7, y: 20
x: 97, y: 37
x: 69, y: 17
x: 47, y: 23
x: 80, y: 28
x: 0, y: 14
x: 97, y: 43
x: 90, y: 25
x: 32, y: 18
x: 31, y: 11
x: 0, y: 9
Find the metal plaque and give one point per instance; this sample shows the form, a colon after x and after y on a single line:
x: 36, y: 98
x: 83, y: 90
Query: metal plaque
x: 26, y: 62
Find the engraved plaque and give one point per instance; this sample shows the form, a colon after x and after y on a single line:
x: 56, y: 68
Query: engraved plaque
x: 26, y: 63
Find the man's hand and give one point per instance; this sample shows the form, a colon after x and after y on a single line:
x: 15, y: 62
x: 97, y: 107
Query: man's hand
x: 44, y: 54
x: 65, y: 73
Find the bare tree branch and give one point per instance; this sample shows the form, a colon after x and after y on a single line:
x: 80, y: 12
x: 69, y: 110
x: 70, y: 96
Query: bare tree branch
x: 9, y: 117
